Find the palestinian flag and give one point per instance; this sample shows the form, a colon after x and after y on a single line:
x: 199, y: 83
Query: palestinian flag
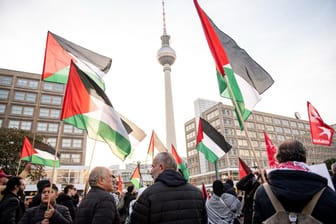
x: 41, y: 153
x: 247, y: 79
x: 271, y: 150
x: 244, y: 169
x: 135, y: 134
x: 155, y: 143
x: 87, y: 107
x: 58, y: 54
x: 180, y: 164
x: 210, y: 142
x: 135, y: 178
x: 321, y: 133
x: 205, y: 194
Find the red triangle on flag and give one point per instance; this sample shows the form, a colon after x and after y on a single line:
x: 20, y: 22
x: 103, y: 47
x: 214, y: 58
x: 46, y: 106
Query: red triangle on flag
x: 271, y: 150
x: 244, y: 169
x: 27, y: 148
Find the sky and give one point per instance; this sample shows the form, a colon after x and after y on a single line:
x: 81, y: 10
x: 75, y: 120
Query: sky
x: 294, y: 40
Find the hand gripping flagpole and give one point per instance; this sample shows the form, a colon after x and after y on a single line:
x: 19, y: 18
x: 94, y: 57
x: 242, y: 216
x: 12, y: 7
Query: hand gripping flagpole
x: 243, y: 124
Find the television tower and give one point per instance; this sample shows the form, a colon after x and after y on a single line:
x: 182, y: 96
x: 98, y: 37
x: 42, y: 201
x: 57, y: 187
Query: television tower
x: 166, y: 57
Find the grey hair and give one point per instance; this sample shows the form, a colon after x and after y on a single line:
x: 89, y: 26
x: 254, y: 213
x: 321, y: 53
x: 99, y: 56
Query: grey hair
x: 333, y: 168
x: 167, y: 160
x: 95, y: 174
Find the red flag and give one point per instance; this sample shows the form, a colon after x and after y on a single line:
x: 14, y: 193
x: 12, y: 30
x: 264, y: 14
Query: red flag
x: 244, y: 169
x: 150, y: 151
x: 204, y: 192
x: 180, y: 164
x: 321, y: 133
x: 119, y: 184
x: 271, y: 150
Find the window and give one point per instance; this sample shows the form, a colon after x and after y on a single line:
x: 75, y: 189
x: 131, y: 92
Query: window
x: 50, y: 127
x: 215, y: 123
x: 48, y: 99
x: 26, y: 125
x: 19, y: 110
x: 260, y: 127
x: 22, y: 96
x: 240, y: 133
x: 287, y: 131
x: 300, y: 125
x: 293, y: 124
x: 228, y: 122
x: 4, y: 94
x: 285, y: 123
x: 2, y: 108
x: 226, y: 112
x: 56, y: 87
x: 50, y: 113
x: 27, y: 83
x: 16, y: 110
x: 42, y: 126
x: 28, y: 111
x: 242, y: 142
x: 228, y: 131
x: 259, y: 118
x: 66, y: 143
x: 5, y: 80
x: 190, y: 127
x: 77, y: 143
x: 269, y: 128
x: 71, y: 129
x: 14, y: 124
x: 212, y: 114
x: 276, y: 121
x: 278, y: 129
x: 53, y: 128
x: 52, y: 141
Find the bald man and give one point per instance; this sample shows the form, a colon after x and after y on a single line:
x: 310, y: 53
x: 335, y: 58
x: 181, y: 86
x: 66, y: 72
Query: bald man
x: 98, y: 206
x: 170, y: 199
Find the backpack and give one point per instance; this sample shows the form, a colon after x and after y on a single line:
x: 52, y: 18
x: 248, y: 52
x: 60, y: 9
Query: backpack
x: 281, y: 216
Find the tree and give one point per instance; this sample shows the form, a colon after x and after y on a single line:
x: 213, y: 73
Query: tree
x: 11, y: 141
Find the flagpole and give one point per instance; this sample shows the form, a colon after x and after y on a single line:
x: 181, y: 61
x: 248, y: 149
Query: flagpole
x: 216, y: 170
x: 17, y: 171
x: 243, y: 124
x: 86, y: 188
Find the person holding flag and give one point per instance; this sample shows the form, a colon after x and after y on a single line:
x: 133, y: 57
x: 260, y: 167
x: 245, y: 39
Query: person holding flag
x: 170, y: 199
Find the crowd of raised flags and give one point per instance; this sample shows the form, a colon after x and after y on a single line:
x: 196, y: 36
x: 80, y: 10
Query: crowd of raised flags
x: 87, y: 107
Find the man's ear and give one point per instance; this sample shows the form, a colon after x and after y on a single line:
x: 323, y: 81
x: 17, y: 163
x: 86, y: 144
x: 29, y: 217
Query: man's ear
x: 161, y: 167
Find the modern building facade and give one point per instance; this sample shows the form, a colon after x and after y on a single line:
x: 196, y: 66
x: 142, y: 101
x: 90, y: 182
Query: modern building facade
x: 222, y: 117
x: 35, y: 106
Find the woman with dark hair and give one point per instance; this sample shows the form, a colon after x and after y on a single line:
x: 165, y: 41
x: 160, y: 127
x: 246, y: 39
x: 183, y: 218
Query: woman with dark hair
x: 294, y: 186
x: 12, y: 206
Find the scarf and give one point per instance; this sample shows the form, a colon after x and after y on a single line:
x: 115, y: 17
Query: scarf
x: 293, y: 165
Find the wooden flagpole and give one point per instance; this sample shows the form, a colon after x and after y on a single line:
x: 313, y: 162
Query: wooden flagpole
x: 86, y: 188
x: 243, y: 124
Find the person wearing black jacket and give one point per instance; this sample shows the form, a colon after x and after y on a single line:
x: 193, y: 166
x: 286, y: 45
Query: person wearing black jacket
x: 170, y: 199
x: 294, y: 186
x: 249, y: 185
x: 65, y: 198
x: 12, y: 206
x: 98, y: 206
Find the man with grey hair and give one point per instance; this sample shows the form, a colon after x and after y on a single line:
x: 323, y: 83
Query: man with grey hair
x: 98, y: 206
x: 170, y: 199
x: 333, y: 177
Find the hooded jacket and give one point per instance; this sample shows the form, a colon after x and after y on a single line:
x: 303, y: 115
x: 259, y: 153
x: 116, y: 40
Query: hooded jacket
x: 294, y: 189
x: 170, y: 200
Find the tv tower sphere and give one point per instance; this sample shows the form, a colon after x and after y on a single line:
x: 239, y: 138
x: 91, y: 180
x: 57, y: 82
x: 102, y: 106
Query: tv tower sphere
x: 166, y: 55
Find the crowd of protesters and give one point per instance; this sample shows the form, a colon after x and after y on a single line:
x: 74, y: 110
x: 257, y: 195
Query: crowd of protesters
x: 171, y: 199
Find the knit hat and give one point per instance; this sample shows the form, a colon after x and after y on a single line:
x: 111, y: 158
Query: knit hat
x: 218, y: 188
x: 40, y: 185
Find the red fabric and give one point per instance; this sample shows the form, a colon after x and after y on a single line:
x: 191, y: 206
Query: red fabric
x: 244, y: 169
x: 27, y: 149
x: 321, y: 133
x: 150, y: 151
x: 204, y: 192
x: 271, y: 150
x: 119, y: 184
x: 293, y: 165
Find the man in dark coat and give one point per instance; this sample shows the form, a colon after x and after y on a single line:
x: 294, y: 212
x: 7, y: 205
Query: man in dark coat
x: 12, y: 206
x: 170, y: 199
x: 98, y: 206
x: 65, y: 198
x: 294, y: 186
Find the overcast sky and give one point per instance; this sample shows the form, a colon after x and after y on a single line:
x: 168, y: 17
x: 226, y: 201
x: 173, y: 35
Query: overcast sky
x: 294, y: 40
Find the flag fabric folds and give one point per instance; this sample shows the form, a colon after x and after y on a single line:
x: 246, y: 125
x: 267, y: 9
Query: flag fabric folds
x: 155, y: 143
x: 271, y: 150
x: 135, y: 134
x: 58, y: 54
x: 321, y: 133
x: 244, y: 169
x: 135, y: 178
x: 41, y: 153
x: 247, y: 79
x: 87, y: 107
x: 120, y: 184
x: 210, y: 142
x: 180, y: 164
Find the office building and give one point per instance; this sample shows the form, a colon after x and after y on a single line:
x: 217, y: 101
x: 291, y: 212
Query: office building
x: 222, y: 117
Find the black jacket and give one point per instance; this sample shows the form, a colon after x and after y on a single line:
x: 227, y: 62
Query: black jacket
x: 36, y: 215
x: 170, y: 200
x: 67, y: 201
x: 97, y: 207
x: 294, y: 189
x: 11, y: 209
